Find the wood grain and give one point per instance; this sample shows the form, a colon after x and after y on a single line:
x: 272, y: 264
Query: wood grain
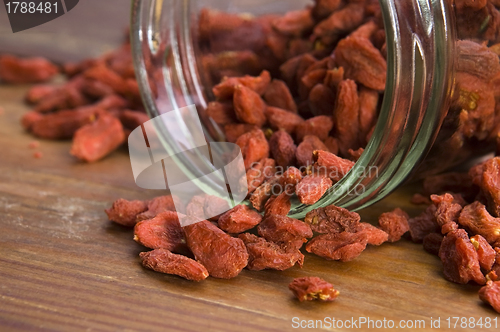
x: 63, y: 266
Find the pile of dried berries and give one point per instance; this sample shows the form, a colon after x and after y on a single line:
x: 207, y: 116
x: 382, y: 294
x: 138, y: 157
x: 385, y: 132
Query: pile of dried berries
x: 299, y: 94
x: 462, y: 226
x: 98, y: 105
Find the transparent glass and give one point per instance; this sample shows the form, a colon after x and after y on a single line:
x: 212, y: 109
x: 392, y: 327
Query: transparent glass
x: 421, y: 56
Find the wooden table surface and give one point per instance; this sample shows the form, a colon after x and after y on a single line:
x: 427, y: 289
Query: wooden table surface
x: 64, y: 266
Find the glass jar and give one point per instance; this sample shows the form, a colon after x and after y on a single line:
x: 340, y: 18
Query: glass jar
x: 418, y: 131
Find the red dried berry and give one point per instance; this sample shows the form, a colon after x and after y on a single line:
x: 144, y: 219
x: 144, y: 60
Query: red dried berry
x: 280, y: 119
x: 259, y: 173
x: 254, y: 147
x: 248, y: 106
x: 333, y: 219
x: 423, y: 224
x: 221, y: 113
x: 125, y: 212
x: 284, y: 230
x: 313, y: 288
x: 331, y: 165
x: 282, y: 149
x: 265, y: 191
x: 477, y: 220
x: 346, y: 116
x: 490, y: 185
x: 319, y: 126
x: 96, y: 140
x: 375, y: 235
x: 295, y: 23
x: 485, y: 253
x: 240, y: 219
x: 20, y: 71
x: 163, y: 261
x: 343, y: 246
x: 161, y: 204
x: 162, y: 232
x: 394, y: 223
x: 226, y: 89
x: 362, y: 62
x: 447, y: 211
x: 61, y: 124
x: 236, y: 130
x: 312, y: 188
x: 223, y: 256
x: 432, y: 243
x: 278, y: 95
x: 289, y: 180
x: 280, y: 205
x: 268, y: 255
x: 304, y: 154
x: 490, y: 294
x: 460, y: 259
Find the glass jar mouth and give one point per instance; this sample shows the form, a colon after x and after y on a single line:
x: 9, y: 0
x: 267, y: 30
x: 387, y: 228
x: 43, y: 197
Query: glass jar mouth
x: 420, y: 39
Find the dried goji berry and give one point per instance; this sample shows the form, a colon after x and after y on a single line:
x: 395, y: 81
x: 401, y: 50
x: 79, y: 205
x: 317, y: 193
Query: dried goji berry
x: 282, y: 149
x: 234, y: 131
x: 163, y: 261
x: 278, y: 95
x: 346, y: 116
x: 324, y: 8
x: 265, y: 191
x: 394, y: 223
x: 254, y: 147
x: 490, y: 294
x: 375, y: 235
x: 339, y: 22
x: 222, y: 255
x: 362, y: 62
x: 295, y: 23
x: 239, y: 219
x: 319, y: 126
x: 248, y: 106
x: 125, y: 212
x: 226, y: 89
x: 490, y: 184
x: 476, y: 219
x: 332, y: 219
x: 284, y: 230
x: 259, y: 173
x: 313, y: 288
x: 221, y: 113
x: 98, y: 139
x: 281, y: 119
x: 162, y: 232
x: 161, y: 204
x: 334, y: 167
x: 485, y: 253
x: 304, y: 154
x: 269, y: 255
x: 280, y: 204
x: 460, y: 259
x: 32, y: 70
x: 423, y: 224
x: 343, y: 246
x: 312, y: 188
x: 432, y: 243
